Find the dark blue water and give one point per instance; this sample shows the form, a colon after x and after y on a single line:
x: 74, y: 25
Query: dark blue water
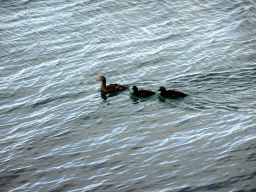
x: 59, y: 132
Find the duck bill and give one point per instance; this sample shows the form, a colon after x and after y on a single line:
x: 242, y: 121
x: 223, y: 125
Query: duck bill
x: 158, y: 90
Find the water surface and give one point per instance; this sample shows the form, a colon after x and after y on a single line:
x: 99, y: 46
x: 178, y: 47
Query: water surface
x: 59, y: 132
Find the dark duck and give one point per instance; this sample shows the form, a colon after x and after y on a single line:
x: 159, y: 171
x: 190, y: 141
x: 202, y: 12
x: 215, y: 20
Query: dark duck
x: 171, y: 93
x: 111, y: 88
x: 142, y: 93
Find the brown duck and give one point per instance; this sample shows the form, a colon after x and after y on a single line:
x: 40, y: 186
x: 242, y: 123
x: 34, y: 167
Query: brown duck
x: 171, y: 93
x: 111, y: 88
x: 142, y: 93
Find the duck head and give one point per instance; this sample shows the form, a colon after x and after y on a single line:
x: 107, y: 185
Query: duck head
x: 162, y: 89
x: 135, y: 89
x: 101, y: 78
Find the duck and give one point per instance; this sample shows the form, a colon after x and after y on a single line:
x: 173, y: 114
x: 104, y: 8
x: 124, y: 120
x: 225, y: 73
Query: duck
x: 142, y: 93
x: 171, y: 93
x: 111, y: 88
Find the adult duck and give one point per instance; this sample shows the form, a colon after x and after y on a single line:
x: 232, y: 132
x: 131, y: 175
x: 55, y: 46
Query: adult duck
x: 111, y: 88
x: 171, y: 93
x: 142, y: 93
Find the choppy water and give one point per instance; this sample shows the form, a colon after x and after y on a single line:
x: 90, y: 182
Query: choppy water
x: 58, y: 131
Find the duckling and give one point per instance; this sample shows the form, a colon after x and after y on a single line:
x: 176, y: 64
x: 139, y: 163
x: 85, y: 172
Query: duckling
x: 171, y: 93
x: 142, y: 93
x: 111, y: 88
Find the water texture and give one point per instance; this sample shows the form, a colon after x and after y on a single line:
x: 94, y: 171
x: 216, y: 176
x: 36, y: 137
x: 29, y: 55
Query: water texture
x: 59, y: 132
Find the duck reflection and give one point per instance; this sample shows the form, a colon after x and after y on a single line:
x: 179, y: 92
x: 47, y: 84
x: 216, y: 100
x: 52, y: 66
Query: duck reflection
x: 135, y: 100
x: 161, y: 99
x: 105, y: 95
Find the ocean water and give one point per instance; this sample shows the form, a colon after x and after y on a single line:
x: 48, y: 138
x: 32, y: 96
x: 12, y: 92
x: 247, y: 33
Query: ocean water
x: 59, y: 132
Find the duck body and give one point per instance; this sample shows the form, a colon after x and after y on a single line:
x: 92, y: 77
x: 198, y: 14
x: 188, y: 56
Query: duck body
x: 171, y: 93
x: 111, y: 88
x: 142, y: 93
